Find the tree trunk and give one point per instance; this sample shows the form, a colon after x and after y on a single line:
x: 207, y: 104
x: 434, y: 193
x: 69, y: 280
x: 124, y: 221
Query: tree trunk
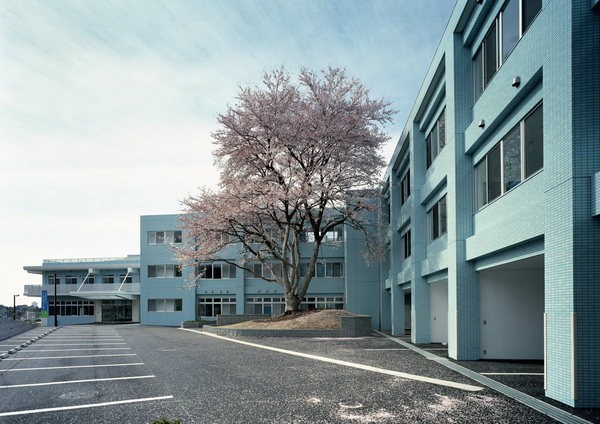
x: 292, y: 303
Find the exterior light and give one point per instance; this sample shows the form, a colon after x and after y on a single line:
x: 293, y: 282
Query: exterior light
x: 481, y: 123
x: 516, y: 82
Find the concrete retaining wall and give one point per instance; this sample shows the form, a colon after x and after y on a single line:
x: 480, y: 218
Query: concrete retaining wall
x: 235, y: 319
x: 352, y: 326
x: 9, y: 327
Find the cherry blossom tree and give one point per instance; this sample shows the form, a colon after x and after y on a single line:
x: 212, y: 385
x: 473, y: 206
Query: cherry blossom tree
x: 296, y: 160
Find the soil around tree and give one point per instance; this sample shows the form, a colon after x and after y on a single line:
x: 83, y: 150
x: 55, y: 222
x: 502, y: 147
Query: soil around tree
x: 317, y: 319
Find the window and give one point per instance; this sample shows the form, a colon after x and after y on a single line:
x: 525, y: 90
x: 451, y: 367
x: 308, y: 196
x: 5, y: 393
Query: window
x: 436, y: 139
x: 71, y: 279
x: 164, y: 271
x: 502, y: 168
x: 436, y: 220
x: 72, y: 307
x: 128, y: 279
x: 213, y: 306
x: 165, y: 305
x: 310, y: 303
x: 335, y: 234
x: 406, y: 245
x: 108, y: 279
x: 503, y: 36
x: 218, y: 271
x: 260, y: 270
x: 90, y: 279
x: 405, y: 188
x: 324, y: 270
x: 51, y: 279
x: 165, y: 237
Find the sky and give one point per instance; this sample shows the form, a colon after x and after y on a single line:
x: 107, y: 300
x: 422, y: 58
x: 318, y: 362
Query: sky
x: 107, y: 107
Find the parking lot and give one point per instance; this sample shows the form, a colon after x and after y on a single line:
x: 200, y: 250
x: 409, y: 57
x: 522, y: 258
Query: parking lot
x: 136, y: 374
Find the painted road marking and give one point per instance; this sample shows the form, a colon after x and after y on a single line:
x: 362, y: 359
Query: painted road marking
x: 91, y: 405
x: 351, y: 364
x: 76, y: 381
x: 69, y: 357
x: 511, y: 373
x: 90, y: 348
x: 74, y: 366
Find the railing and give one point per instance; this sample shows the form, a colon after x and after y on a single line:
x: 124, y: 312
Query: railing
x: 36, y: 290
x: 86, y: 260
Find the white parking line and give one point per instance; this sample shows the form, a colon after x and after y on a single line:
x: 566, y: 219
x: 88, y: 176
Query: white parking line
x: 68, y: 357
x: 89, y: 348
x: 76, y: 381
x: 74, y: 366
x: 351, y: 364
x: 91, y: 405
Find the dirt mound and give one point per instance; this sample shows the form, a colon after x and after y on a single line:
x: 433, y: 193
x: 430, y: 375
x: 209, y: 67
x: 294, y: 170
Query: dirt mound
x: 320, y: 319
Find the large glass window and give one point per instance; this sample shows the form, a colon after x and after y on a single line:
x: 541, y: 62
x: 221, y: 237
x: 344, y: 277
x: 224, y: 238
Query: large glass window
x: 436, y: 139
x: 164, y: 271
x: 213, y: 306
x: 502, y: 37
x: 324, y: 270
x: 165, y: 305
x: 501, y: 170
x: 165, y: 237
x: 218, y: 271
x: 437, y: 220
x: 71, y: 279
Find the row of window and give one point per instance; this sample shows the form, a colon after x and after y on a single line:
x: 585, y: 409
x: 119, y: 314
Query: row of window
x: 165, y: 305
x: 72, y: 308
x: 213, y: 306
x: 504, y: 34
x: 91, y: 279
x: 164, y: 271
x: 165, y: 237
x: 324, y: 270
x: 218, y: 271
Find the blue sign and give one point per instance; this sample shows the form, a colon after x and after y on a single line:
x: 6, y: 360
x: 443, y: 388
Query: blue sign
x: 44, y: 303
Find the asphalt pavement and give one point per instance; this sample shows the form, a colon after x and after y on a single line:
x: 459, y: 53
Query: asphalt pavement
x: 136, y: 374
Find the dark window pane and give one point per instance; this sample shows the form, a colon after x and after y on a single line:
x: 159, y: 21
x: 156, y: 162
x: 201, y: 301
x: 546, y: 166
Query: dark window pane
x: 428, y: 147
x: 160, y: 237
x: 435, y: 233
x: 217, y: 271
x: 208, y: 272
x: 510, y: 28
x: 478, y: 75
x: 178, y: 237
x: 512, y: 159
x: 530, y: 10
x: 534, y: 142
x: 494, y: 181
x: 490, y: 52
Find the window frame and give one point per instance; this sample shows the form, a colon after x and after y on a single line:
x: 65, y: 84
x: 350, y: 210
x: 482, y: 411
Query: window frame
x: 406, y: 245
x: 521, y: 126
x: 497, y: 27
x: 440, y: 142
x: 167, y: 305
x: 405, y: 188
x: 435, y: 220
x: 163, y: 271
x: 175, y: 235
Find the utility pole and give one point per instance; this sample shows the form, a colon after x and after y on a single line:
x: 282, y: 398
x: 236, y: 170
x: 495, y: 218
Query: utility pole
x: 15, y: 306
x: 55, y: 305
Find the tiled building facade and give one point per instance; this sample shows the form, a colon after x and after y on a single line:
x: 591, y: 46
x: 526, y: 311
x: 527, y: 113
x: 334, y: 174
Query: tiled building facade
x: 494, y: 234
x: 493, y: 203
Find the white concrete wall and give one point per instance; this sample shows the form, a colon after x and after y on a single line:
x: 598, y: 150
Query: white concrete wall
x: 512, y: 314
x: 438, y: 293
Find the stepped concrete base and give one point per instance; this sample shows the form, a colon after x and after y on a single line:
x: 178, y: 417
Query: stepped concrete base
x: 352, y: 326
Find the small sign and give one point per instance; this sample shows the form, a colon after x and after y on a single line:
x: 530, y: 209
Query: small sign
x: 44, y: 303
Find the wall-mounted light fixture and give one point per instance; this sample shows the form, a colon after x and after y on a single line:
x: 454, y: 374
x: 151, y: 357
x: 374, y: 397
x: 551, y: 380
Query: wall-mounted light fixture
x: 516, y: 82
x: 479, y: 1
x: 481, y: 123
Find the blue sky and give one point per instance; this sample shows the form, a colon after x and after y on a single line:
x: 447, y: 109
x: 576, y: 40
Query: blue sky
x: 106, y: 108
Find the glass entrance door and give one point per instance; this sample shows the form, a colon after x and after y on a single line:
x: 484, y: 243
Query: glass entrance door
x: 117, y: 311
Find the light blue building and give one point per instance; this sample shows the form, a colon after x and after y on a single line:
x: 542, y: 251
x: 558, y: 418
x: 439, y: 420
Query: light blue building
x: 493, y: 205
x: 494, y: 194
x: 151, y: 289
